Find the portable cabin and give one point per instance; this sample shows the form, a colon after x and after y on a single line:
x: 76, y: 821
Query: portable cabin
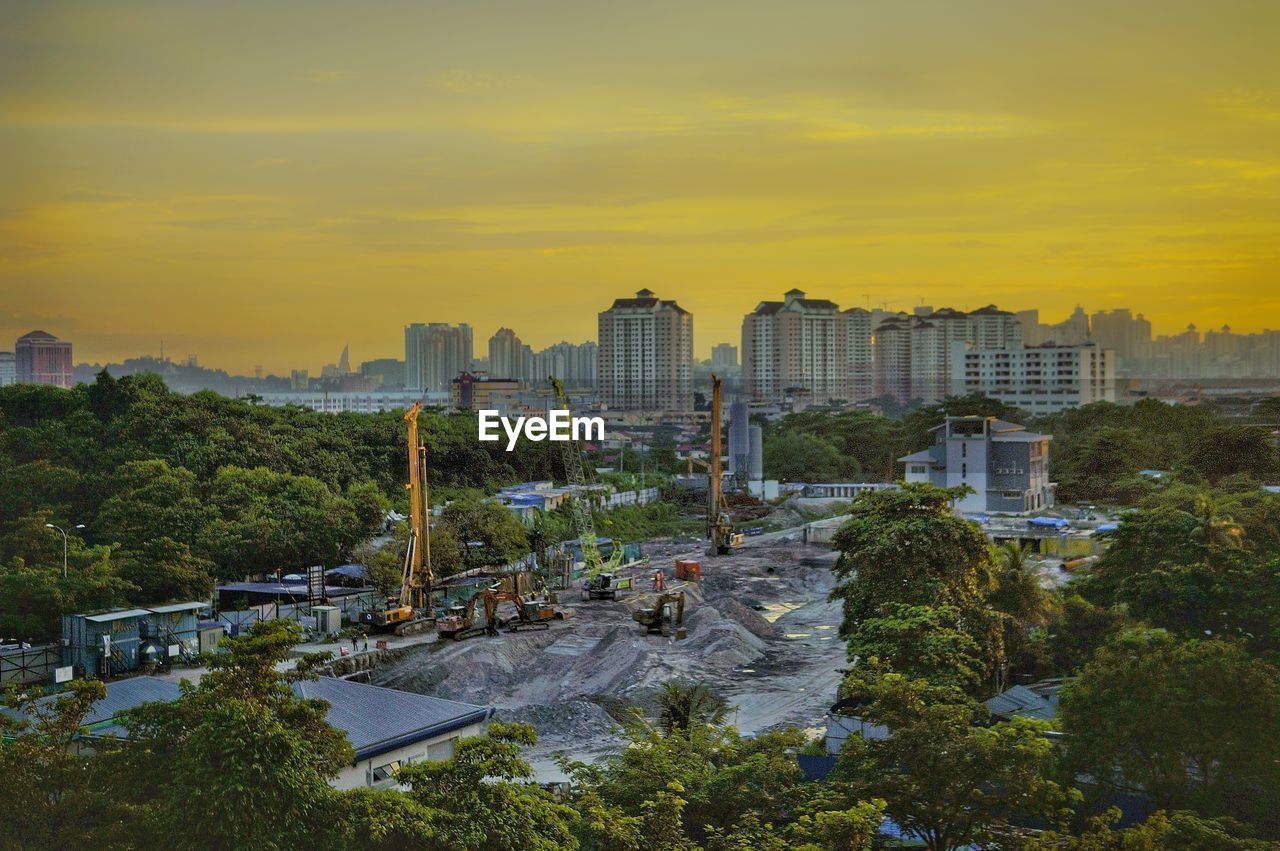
x: 104, y: 644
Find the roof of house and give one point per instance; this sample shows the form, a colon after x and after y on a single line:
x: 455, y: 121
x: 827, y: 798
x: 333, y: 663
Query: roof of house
x: 375, y: 719
x: 117, y: 615
x: 168, y: 608
x: 1038, y: 700
x: 922, y: 455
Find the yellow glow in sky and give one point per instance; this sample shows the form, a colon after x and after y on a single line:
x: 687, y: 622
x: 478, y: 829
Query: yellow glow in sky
x: 263, y: 183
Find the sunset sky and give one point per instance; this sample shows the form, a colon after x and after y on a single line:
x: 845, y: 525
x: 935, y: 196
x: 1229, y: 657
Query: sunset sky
x: 260, y: 183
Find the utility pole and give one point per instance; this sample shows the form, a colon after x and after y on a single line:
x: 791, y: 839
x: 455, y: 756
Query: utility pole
x: 64, y: 543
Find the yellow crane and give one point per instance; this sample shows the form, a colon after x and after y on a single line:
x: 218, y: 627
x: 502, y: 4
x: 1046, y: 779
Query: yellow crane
x: 411, y: 610
x: 720, y: 530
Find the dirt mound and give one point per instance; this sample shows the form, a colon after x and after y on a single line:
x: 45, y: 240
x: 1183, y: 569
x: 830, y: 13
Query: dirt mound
x: 564, y: 721
x: 750, y: 619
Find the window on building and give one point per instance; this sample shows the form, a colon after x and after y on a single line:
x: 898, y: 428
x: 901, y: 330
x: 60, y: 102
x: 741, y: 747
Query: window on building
x: 384, y: 773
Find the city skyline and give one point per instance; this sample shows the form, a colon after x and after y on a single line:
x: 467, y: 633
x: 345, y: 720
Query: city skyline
x: 258, y: 192
x: 703, y: 349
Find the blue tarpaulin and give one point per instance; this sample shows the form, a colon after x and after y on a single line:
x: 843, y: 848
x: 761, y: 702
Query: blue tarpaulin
x: 1048, y: 522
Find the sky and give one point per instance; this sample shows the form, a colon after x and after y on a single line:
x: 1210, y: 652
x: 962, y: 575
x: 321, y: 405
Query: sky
x: 262, y: 183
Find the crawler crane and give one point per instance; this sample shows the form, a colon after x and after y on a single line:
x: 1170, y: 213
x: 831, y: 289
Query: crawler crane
x: 410, y: 612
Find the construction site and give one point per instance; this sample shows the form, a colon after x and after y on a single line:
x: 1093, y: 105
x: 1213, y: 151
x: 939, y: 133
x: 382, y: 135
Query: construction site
x: 585, y: 645
x: 757, y: 628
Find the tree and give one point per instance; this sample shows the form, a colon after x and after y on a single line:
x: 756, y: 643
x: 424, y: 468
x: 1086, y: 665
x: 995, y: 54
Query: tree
x: 165, y: 570
x: 1192, y: 723
x: 1020, y: 594
x: 798, y: 457
x: 921, y: 641
x: 240, y: 734
x: 947, y: 780
x: 680, y: 706
x: 480, y: 799
x: 907, y: 547
x: 53, y: 797
x: 488, y: 532
x: 1229, y: 450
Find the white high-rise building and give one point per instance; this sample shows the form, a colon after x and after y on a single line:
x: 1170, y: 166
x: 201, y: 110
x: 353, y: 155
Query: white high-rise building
x: 860, y: 369
x: 796, y: 345
x: 913, y: 354
x: 646, y: 355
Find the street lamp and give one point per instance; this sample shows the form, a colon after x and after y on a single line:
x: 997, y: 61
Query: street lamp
x: 64, y: 543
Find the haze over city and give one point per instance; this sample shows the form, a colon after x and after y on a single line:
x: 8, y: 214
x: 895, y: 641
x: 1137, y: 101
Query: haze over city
x: 255, y: 183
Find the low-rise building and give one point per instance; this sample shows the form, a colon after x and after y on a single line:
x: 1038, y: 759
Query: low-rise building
x: 387, y: 728
x: 1041, y: 379
x: 1006, y: 466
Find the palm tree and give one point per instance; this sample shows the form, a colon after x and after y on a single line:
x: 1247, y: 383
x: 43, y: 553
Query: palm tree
x: 680, y: 707
x: 1020, y: 591
x: 1214, y: 529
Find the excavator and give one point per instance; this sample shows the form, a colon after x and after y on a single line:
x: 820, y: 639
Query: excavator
x: 410, y: 612
x: 666, y: 614
x: 720, y: 531
x: 599, y: 573
x: 460, y: 621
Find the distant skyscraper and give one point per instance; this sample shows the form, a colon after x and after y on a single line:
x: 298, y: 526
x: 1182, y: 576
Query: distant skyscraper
x: 646, y: 354
x: 435, y: 354
x: 344, y: 361
x: 506, y: 355
x: 794, y: 345
x: 1128, y: 335
x: 8, y: 369
x: 913, y: 353
x: 859, y: 354
x: 385, y: 372
x: 724, y: 356
x: 41, y: 358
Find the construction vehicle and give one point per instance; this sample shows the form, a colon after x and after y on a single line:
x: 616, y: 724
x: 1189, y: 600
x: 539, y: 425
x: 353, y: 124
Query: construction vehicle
x: 665, y: 617
x: 720, y: 532
x: 534, y: 613
x: 594, y: 564
x: 459, y: 621
x: 410, y: 612
x: 604, y: 586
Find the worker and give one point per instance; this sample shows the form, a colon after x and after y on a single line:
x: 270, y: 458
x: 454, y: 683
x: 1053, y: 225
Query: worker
x: 364, y: 644
x: 659, y: 581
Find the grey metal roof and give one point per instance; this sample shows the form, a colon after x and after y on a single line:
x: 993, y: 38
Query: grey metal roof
x: 178, y: 607
x: 121, y: 695
x: 922, y: 455
x: 1021, y: 701
x: 107, y: 617
x: 377, y: 719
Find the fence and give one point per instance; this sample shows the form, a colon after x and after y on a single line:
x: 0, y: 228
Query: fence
x: 351, y: 606
x: 29, y: 664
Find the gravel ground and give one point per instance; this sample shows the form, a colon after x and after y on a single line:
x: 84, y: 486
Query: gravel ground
x: 760, y: 632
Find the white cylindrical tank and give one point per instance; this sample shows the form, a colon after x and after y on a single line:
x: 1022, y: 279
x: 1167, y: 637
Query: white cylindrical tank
x: 756, y: 455
x: 739, y: 440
